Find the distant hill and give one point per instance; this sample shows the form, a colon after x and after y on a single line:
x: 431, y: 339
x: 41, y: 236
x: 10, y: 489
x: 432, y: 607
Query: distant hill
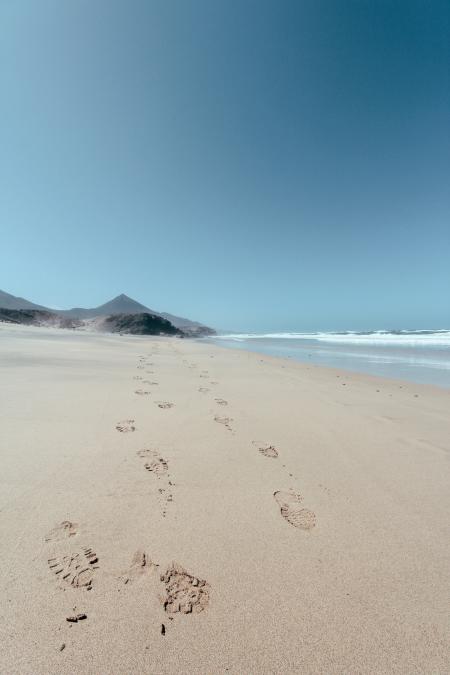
x: 8, y: 301
x: 122, y: 304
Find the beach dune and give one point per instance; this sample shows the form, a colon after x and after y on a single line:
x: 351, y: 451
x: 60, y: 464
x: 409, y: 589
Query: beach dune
x: 169, y: 506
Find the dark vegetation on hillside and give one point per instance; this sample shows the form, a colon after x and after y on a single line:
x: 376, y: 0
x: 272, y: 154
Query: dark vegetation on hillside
x: 139, y: 324
x: 133, y: 324
x: 36, y: 317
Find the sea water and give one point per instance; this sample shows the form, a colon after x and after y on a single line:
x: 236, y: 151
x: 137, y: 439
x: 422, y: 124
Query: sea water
x: 418, y: 355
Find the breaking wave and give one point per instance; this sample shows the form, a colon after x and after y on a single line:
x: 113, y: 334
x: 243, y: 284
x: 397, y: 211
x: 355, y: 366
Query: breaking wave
x: 407, y: 338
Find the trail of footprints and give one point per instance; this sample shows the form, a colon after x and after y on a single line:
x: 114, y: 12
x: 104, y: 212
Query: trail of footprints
x: 183, y: 592
x: 159, y: 467
x: 289, y: 501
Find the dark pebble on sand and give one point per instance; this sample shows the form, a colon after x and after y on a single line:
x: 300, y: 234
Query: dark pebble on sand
x: 75, y: 619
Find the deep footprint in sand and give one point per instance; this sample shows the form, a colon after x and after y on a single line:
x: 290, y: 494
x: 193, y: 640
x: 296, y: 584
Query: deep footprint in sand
x: 64, y: 530
x: 184, y: 592
x: 125, y: 426
x: 164, y: 404
x: 76, y: 570
x: 142, y: 392
x: 221, y: 401
x: 141, y: 565
x: 289, y: 503
x: 266, y: 449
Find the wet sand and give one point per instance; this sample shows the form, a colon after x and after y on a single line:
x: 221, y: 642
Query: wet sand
x: 168, y: 506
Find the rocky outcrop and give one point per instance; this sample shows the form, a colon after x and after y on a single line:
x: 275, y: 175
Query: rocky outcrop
x: 36, y: 317
x: 138, y: 324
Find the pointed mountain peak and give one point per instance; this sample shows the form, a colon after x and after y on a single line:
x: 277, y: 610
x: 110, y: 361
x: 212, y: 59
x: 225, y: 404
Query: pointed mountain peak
x: 122, y: 296
x: 122, y: 304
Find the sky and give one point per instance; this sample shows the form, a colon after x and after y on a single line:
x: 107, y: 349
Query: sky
x: 255, y: 165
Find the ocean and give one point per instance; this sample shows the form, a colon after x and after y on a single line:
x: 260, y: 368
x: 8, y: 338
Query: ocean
x: 421, y: 356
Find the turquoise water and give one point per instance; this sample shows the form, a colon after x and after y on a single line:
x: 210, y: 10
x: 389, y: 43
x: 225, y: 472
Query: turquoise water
x: 418, y: 356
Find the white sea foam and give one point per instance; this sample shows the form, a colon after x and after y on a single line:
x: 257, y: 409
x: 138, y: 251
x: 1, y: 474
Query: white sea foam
x: 419, y: 338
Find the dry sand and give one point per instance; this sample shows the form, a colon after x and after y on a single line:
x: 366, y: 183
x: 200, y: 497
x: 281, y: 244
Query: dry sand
x: 305, y: 509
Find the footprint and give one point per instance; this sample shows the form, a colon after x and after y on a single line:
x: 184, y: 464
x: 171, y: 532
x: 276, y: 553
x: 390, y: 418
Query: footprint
x: 204, y: 390
x: 125, y: 426
x: 213, y: 382
x: 184, y: 592
x: 226, y: 421
x: 160, y: 467
x: 140, y: 566
x: 137, y: 377
x: 164, y: 404
x: 142, y: 392
x: 77, y: 569
x: 289, y: 503
x: 266, y: 449
x: 221, y: 401
x: 156, y: 464
x: 64, y: 530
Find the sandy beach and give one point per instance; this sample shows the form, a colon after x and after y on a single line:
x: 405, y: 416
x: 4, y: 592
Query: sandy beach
x: 192, y: 509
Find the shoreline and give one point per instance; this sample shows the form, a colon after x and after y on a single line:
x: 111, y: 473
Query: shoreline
x: 312, y: 506
x: 365, y: 363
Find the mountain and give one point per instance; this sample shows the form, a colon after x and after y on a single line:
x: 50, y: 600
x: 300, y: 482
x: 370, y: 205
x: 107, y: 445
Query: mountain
x: 8, y: 301
x: 122, y: 304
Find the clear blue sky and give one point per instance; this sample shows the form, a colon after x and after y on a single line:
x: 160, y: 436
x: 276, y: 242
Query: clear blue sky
x: 251, y: 164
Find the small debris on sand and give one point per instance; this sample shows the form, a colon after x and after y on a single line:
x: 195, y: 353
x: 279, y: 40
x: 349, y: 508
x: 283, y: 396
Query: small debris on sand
x: 77, y: 617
